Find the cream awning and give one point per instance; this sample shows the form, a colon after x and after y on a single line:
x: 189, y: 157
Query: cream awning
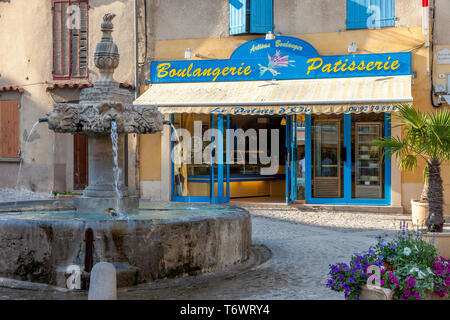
x: 339, y: 95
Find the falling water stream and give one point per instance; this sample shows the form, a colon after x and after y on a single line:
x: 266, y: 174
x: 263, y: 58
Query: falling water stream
x: 116, y: 169
x: 19, y: 174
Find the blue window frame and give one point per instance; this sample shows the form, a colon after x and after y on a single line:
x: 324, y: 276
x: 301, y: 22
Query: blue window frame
x: 251, y: 16
x: 370, y: 14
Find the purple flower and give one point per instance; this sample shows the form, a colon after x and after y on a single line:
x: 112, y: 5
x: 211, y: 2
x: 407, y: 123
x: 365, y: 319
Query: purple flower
x: 410, y: 282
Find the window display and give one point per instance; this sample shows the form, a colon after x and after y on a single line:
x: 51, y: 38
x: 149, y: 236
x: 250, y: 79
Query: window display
x: 368, y: 175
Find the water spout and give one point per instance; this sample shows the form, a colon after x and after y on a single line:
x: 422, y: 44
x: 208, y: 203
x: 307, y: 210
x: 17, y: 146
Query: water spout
x: 42, y: 120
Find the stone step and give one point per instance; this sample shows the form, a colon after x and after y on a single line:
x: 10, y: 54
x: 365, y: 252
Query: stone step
x: 349, y: 208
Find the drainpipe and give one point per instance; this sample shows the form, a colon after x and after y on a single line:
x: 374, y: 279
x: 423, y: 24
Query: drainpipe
x: 136, y: 92
x: 426, y: 28
x: 431, y: 55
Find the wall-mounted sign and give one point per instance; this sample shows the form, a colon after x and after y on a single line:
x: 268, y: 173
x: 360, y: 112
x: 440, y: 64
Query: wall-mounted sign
x: 285, y: 58
x: 443, y: 56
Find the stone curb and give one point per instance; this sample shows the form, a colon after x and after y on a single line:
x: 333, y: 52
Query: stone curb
x: 26, y: 285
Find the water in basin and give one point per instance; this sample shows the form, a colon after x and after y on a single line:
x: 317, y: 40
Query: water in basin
x: 148, y: 210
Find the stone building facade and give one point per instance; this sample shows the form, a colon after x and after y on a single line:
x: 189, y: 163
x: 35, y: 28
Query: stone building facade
x: 165, y: 30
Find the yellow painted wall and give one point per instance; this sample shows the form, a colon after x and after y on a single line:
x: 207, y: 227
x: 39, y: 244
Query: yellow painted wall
x: 407, y: 39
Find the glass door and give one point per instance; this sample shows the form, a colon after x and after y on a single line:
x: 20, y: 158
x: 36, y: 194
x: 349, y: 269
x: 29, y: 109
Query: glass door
x: 295, y: 159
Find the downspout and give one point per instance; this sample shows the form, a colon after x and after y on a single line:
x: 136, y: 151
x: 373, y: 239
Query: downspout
x: 431, y: 57
x: 136, y: 94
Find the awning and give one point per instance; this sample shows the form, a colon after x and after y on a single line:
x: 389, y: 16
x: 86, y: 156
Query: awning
x: 338, y: 95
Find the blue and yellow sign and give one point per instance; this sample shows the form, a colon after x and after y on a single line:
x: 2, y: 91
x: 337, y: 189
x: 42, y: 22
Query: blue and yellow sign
x: 285, y: 58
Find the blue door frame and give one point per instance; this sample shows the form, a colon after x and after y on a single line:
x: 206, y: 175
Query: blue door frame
x: 291, y: 158
x: 347, y: 199
x: 220, y: 197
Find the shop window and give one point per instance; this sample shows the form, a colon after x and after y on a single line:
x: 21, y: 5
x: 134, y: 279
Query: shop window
x: 370, y: 14
x: 190, y: 171
x: 248, y: 161
x: 251, y: 16
x: 367, y: 163
x: 70, y: 39
x: 9, y: 129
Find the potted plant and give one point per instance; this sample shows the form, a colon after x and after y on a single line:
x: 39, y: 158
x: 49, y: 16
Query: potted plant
x: 425, y: 136
x: 405, y: 267
x: 63, y: 195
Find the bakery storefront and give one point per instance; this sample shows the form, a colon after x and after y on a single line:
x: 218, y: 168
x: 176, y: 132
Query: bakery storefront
x: 278, y: 120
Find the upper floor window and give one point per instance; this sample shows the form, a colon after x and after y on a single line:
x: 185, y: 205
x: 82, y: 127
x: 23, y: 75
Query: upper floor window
x: 70, y: 39
x: 9, y: 129
x: 370, y: 14
x: 251, y: 16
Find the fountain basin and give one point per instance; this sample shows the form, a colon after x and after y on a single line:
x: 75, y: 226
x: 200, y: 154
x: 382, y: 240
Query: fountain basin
x: 161, y: 240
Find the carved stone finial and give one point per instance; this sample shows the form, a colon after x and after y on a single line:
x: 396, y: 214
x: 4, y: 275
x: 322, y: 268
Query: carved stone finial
x: 106, y: 57
x: 107, y: 22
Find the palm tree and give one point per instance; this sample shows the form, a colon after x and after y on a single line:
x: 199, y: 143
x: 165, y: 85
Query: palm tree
x: 426, y: 136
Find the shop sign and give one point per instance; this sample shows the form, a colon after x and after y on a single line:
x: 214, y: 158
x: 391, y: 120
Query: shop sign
x: 301, y: 109
x: 443, y: 56
x: 285, y: 58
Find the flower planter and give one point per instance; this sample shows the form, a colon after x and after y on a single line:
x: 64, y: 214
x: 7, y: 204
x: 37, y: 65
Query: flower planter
x: 434, y: 296
x: 64, y: 196
x: 419, y: 212
x: 369, y: 292
x: 441, y: 242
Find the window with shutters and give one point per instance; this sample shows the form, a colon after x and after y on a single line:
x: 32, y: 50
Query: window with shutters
x: 70, y: 39
x: 9, y: 129
x: 370, y: 14
x: 251, y: 16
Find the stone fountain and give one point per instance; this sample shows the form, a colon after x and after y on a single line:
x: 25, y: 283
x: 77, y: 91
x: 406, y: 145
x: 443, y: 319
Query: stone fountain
x: 98, y: 106
x: 57, y: 242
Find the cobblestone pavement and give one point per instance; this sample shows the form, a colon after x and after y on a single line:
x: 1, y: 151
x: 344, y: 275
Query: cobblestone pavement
x: 301, y: 244
x: 297, y: 269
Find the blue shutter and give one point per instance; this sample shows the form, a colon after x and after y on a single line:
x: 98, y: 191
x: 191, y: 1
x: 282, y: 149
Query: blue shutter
x: 357, y: 14
x: 364, y: 14
x: 238, y: 9
x: 387, y: 12
x: 261, y: 16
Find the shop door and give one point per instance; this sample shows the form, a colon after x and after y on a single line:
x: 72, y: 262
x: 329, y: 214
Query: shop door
x: 80, y: 161
x: 327, y: 158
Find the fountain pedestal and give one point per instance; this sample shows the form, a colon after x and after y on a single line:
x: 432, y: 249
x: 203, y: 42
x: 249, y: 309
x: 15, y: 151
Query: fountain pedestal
x: 101, y: 195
